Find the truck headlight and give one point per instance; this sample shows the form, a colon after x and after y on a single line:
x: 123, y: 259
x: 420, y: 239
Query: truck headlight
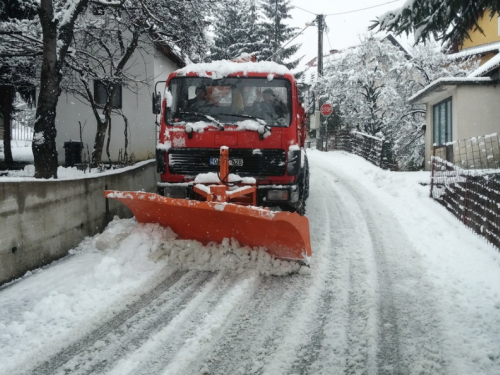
x: 277, y: 195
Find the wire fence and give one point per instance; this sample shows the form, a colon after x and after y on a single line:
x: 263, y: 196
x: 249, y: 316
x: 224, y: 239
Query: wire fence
x: 367, y: 146
x: 477, y: 153
x: 465, y: 178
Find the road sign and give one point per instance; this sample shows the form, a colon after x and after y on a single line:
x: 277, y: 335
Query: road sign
x: 326, y: 109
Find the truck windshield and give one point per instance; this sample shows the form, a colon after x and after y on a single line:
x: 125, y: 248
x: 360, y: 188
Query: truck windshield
x: 229, y: 100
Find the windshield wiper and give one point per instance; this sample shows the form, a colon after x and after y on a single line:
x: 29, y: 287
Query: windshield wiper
x: 209, y: 118
x: 258, y: 119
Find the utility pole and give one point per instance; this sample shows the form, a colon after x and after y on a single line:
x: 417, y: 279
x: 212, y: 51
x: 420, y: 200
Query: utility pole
x: 320, y: 19
x: 321, y: 25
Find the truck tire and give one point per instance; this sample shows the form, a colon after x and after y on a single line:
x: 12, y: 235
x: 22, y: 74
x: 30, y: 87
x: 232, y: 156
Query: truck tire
x: 306, y: 180
x: 303, y: 188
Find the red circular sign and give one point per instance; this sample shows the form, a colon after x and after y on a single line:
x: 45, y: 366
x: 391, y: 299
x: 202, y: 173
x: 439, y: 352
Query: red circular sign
x: 326, y: 109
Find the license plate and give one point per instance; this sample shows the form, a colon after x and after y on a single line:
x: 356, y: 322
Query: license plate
x: 233, y: 162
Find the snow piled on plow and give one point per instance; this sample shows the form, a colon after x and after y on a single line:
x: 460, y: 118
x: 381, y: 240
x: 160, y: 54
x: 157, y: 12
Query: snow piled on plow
x: 164, y: 247
x: 229, y: 256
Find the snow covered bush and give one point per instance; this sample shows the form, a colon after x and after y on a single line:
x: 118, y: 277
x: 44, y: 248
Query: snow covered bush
x: 370, y: 85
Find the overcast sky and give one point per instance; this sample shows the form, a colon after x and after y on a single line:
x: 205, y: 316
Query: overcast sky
x: 344, y: 30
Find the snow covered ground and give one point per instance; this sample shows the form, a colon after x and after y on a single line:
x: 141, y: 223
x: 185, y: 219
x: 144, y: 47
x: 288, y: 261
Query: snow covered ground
x: 21, y: 151
x: 65, y: 173
x: 397, y: 285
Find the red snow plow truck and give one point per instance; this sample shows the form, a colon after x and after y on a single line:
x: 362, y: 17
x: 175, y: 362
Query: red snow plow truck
x: 231, y: 158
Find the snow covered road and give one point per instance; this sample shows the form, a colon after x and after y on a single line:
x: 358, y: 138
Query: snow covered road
x: 396, y: 286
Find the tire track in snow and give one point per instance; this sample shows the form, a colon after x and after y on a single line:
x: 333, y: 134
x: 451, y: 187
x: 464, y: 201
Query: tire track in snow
x: 135, y: 331
x: 358, y: 284
x: 408, y: 330
x: 53, y: 364
x: 322, y: 350
x: 203, y: 337
x: 243, y: 344
x: 176, y: 345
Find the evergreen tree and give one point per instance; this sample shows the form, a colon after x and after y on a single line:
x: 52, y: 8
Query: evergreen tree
x: 445, y: 20
x: 236, y: 30
x: 254, y: 36
x: 230, y: 34
x: 276, y: 33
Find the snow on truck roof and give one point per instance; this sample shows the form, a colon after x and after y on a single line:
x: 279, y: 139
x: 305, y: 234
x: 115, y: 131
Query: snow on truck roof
x: 223, y: 68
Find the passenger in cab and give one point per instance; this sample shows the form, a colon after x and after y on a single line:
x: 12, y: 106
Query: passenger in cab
x: 270, y: 108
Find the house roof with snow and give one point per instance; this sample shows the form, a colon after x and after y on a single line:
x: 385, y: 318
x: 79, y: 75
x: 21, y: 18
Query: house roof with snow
x: 443, y: 84
x: 475, y: 51
x: 171, y: 52
x: 486, y: 74
x: 489, y: 68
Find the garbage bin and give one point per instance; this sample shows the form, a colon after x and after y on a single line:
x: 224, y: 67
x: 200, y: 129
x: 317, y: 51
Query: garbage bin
x: 72, y: 153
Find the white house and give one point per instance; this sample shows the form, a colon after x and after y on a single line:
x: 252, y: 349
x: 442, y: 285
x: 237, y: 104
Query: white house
x: 75, y: 115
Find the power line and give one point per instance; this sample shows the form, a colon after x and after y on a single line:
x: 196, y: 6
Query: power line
x: 290, y: 41
x: 305, y: 10
x: 350, y: 11
x: 359, y: 10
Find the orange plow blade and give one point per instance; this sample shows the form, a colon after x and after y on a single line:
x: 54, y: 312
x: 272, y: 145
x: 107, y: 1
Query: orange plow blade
x: 285, y: 235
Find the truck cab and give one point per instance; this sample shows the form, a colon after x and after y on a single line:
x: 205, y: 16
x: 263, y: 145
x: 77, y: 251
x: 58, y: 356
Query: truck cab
x: 252, y: 108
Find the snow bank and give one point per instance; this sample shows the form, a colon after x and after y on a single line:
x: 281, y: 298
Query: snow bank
x: 223, y: 68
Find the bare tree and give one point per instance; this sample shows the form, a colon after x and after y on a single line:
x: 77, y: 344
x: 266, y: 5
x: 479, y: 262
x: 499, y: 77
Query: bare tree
x: 57, y: 22
x: 104, y: 48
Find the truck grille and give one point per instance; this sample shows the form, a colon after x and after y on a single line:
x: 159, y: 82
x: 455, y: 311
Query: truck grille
x: 192, y: 161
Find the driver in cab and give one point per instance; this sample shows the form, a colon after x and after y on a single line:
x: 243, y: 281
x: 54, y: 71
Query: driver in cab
x: 199, y: 103
x: 270, y: 108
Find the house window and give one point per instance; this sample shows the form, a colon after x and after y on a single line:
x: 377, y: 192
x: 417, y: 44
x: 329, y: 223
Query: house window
x: 442, y: 122
x: 101, y: 95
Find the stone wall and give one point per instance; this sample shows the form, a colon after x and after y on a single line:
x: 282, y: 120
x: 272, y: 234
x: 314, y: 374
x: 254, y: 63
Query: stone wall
x: 41, y: 220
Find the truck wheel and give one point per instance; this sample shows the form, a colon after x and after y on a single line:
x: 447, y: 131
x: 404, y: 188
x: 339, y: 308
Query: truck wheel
x: 306, y: 180
x: 303, y: 188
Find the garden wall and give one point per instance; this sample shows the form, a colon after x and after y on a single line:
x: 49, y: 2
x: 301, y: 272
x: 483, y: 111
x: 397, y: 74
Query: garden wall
x: 41, y: 220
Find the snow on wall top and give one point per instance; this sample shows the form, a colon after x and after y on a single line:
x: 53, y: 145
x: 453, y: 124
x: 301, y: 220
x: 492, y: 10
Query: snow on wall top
x: 223, y: 68
x: 491, y: 47
x: 486, y: 67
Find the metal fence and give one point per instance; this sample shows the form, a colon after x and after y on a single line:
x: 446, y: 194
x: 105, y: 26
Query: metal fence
x: 465, y: 178
x: 21, y: 132
x: 367, y: 146
x: 22, y: 125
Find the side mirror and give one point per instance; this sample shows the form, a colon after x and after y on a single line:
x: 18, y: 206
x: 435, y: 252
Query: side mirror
x: 156, y: 103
